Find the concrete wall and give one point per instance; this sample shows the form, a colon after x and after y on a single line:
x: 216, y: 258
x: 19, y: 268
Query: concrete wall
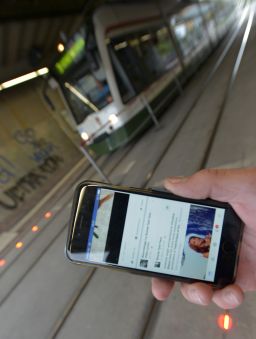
x: 36, y: 147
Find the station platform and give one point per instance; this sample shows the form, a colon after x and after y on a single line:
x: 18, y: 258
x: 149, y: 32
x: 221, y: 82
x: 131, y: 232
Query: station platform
x: 211, y: 124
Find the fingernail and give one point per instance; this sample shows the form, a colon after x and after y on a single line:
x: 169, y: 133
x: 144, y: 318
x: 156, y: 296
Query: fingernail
x: 176, y: 180
x: 231, y: 298
x: 196, y: 297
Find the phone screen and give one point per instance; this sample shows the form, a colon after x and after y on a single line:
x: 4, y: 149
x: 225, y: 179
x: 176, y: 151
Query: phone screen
x: 155, y: 234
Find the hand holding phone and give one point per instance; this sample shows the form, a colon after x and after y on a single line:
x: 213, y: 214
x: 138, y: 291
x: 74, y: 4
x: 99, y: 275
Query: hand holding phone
x: 154, y: 233
x: 238, y: 187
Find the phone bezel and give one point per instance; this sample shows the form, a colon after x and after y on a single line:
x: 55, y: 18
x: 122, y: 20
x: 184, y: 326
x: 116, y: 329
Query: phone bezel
x: 231, y: 233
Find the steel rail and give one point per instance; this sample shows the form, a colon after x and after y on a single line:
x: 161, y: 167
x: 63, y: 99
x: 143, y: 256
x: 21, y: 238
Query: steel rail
x: 229, y: 87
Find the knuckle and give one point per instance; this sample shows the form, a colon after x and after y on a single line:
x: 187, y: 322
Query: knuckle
x: 209, y: 172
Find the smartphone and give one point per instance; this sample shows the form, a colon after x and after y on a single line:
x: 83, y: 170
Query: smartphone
x: 154, y: 233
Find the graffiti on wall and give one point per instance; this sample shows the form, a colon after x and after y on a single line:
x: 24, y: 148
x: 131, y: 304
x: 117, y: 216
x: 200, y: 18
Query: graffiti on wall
x: 40, y: 147
x: 24, y: 186
x: 43, y: 153
x: 7, y: 170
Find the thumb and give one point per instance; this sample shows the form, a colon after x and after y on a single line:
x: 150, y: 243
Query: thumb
x: 229, y: 185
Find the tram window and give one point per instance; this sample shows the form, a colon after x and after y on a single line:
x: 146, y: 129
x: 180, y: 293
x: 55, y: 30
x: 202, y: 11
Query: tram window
x: 144, y: 56
x: 95, y: 89
x: 189, y: 29
x: 223, y: 14
x: 208, y: 13
x: 158, y: 51
x: 124, y: 84
x: 131, y: 63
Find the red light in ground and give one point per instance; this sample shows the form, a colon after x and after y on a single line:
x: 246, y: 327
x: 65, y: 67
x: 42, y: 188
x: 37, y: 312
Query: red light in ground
x: 35, y: 228
x: 48, y: 215
x: 2, y: 262
x: 19, y: 244
x: 225, y: 322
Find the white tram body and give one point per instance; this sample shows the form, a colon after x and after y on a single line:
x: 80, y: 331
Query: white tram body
x: 139, y: 66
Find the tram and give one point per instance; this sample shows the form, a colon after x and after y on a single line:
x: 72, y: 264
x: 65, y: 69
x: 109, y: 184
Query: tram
x: 130, y: 59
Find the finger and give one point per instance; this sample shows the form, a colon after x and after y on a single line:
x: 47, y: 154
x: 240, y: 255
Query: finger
x: 197, y: 293
x: 220, y: 184
x: 228, y: 297
x: 161, y: 288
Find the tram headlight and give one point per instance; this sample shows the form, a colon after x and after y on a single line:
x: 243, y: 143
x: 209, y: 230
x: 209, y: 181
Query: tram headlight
x: 113, y: 119
x: 60, y: 47
x: 84, y: 136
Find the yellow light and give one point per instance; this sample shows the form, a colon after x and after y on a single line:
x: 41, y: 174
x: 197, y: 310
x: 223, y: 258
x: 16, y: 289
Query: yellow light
x: 162, y: 31
x: 24, y: 78
x: 60, y: 47
x: 2, y: 262
x: 145, y: 37
x: 19, y: 244
x: 225, y: 322
x: 121, y: 45
x: 113, y: 119
x: 48, y: 215
x: 134, y: 42
x: 35, y: 228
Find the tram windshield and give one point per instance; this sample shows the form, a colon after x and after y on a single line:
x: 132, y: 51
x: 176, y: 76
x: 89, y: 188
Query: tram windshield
x: 82, y: 77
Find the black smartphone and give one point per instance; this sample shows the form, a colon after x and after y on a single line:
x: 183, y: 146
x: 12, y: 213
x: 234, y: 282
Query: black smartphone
x: 154, y: 233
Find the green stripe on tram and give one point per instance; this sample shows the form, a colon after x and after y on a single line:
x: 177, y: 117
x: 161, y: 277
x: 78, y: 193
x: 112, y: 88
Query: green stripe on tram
x: 120, y: 136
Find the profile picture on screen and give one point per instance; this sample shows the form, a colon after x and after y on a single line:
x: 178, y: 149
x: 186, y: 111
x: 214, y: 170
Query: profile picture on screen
x: 200, y: 244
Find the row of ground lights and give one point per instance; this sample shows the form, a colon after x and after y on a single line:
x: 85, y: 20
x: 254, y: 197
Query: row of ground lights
x: 20, y: 244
